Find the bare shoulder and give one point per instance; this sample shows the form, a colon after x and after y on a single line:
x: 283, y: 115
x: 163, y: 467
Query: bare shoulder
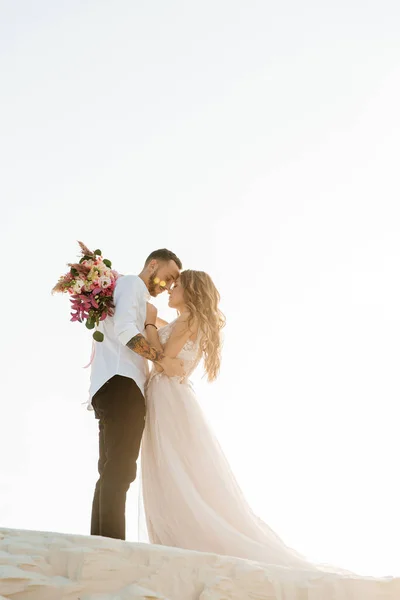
x: 185, y: 326
x: 183, y: 329
x: 161, y: 322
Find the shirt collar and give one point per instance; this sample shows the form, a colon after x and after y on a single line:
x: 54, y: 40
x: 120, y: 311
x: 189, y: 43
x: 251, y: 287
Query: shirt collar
x: 146, y: 292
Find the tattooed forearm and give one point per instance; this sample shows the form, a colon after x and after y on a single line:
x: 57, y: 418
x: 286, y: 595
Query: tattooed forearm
x: 141, y: 346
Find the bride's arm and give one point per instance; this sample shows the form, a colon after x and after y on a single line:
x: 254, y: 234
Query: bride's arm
x: 180, y: 334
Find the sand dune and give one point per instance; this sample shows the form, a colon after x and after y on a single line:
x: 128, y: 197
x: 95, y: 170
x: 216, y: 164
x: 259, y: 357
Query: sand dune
x: 53, y: 566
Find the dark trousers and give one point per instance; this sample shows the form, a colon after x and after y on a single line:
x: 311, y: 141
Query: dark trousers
x: 120, y: 407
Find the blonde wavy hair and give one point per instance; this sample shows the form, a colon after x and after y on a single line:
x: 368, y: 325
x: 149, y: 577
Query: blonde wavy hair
x: 202, y: 299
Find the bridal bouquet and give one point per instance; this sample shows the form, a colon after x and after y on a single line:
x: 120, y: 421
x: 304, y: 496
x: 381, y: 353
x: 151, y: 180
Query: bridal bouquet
x: 90, y: 283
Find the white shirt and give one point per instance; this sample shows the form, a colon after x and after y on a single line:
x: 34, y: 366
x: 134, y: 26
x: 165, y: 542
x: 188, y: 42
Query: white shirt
x: 112, y: 356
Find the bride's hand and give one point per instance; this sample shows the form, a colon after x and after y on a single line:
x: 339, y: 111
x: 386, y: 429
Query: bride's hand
x: 151, y: 313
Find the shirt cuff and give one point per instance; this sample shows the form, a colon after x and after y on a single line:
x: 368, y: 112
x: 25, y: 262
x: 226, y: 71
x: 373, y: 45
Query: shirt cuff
x: 128, y: 334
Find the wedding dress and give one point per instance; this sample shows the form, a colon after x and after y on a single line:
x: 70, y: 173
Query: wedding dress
x: 192, y: 501
x: 190, y: 495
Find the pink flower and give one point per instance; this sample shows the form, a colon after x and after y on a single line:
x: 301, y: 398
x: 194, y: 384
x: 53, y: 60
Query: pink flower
x: 90, y: 285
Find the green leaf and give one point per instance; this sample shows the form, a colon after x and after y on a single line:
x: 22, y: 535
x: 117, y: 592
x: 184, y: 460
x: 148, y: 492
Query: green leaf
x: 74, y: 272
x: 90, y: 324
x: 107, y: 263
x: 98, y: 336
x: 98, y: 252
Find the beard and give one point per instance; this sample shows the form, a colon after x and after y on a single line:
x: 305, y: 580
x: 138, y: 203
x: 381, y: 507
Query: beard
x: 153, y: 287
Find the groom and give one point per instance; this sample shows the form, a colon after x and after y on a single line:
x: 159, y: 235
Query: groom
x: 118, y: 375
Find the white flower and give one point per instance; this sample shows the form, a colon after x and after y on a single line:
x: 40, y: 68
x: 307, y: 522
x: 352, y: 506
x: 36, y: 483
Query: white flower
x: 104, y: 282
x: 78, y: 285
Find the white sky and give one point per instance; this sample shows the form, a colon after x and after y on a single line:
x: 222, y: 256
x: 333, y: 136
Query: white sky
x: 260, y: 142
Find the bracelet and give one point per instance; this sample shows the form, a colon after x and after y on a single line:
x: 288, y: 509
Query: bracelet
x: 150, y: 325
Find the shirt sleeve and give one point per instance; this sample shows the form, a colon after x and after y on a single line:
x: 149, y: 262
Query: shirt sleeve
x: 126, y: 300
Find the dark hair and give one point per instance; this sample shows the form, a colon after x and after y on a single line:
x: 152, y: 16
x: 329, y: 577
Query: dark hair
x: 164, y: 255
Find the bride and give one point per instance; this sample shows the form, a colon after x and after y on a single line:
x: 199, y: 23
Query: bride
x: 191, y: 497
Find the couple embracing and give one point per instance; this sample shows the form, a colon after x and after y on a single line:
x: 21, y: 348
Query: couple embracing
x: 191, y: 497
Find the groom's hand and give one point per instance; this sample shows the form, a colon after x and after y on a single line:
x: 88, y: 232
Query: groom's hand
x: 173, y: 367
x: 151, y: 313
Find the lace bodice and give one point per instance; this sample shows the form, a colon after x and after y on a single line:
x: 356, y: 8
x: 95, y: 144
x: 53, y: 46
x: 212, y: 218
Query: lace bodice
x: 189, y: 353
